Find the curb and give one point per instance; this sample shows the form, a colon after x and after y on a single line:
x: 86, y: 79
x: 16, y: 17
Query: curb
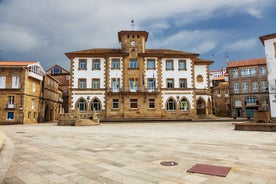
x: 6, y: 154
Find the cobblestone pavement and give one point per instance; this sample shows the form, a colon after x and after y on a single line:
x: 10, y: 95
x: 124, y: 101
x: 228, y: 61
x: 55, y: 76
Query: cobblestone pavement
x: 131, y: 153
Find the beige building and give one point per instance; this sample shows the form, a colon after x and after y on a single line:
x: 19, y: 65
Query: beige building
x: 20, y: 91
x: 221, y: 98
x: 51, y: 99
x: 136, y: 82
x: 63, y: 77
x: 248, y: 87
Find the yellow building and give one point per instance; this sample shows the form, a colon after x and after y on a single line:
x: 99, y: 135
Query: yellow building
x: 136, y: 82
x: 20, y: 91
x: 63, y: 77
x: 51, y: 99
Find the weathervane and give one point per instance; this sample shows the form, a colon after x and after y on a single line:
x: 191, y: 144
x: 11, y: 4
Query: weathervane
x: 132, y: 24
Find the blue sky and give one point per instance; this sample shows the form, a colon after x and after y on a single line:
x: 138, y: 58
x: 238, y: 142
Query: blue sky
x: 43, y: 31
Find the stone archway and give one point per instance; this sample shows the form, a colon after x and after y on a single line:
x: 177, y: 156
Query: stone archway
x: 47, y: 113
x: 201, y: 106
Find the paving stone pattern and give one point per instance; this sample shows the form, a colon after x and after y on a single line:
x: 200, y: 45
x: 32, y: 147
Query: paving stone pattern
x: 131, y: 153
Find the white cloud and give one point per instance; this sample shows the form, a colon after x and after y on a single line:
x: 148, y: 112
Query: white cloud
x: 244, y: 44
x: 65, y: 25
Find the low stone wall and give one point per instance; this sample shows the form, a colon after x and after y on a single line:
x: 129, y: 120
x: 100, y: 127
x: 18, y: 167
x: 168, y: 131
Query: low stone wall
x: 266, y: 127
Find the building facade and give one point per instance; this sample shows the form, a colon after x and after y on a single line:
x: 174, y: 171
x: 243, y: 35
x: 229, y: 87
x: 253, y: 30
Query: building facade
x: 221, y: 99
x: 269, y: 42
x: 20, y: 92
x: 135, y: 82
x: 248, y: 87
x: 214, y: 74
x: 51, y: 100
x: 63, y: 77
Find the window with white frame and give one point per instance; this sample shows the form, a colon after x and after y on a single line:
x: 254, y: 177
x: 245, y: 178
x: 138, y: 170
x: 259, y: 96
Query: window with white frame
x: 263, y: 70
x: 2, y: 82
x: 151, y: 85
x: 133, y: 84
x: 15, y: 82
x: 254, y: 87
x: 11, y: 102
x: 115, y: 84
x: 33, y: 104
x: 245, y: 87
x: 264, y: 86
x: 34, y: 87
x: 251, y: 100
x: 236, y: 87
x: 82, y: 83
x: 235, y: 73
x: 95, y: 83
x: 183, y: 83
x: 238, y: 103
x: 170, y: 83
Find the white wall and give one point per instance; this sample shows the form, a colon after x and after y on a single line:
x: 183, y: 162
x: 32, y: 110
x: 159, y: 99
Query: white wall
x: 89, y: 73
x: 177, y: 74
x: 201, y: 70
x: 271, y: 66
x: 189, y: 97
x: 116, y: 73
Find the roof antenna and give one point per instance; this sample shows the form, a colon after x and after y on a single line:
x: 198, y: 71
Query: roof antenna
x: 132, y: 24
x: 227, y: 57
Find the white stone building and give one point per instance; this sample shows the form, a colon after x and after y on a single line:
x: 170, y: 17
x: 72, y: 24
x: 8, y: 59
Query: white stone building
x: 269, y: 42
x: 135, y: 82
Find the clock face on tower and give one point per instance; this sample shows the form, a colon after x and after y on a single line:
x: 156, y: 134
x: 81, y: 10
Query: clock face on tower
x: 133, y: 43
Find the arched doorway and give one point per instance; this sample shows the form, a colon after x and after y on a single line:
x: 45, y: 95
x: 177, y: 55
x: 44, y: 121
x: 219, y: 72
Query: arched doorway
x: 47, y: 113
x: 201, y: 107
x: 171, y: 105
x: 95, y: 105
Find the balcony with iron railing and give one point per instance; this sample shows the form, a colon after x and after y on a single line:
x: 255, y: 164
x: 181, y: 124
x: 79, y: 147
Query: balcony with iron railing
x: 9, y: 106
x: 133, y: 90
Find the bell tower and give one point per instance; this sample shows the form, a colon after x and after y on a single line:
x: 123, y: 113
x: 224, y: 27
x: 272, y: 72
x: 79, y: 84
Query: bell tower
x: 133, y: 40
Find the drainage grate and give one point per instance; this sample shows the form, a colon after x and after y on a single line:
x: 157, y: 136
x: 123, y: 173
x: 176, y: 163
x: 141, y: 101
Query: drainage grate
x: 169, y: 163
x: 20, y: 132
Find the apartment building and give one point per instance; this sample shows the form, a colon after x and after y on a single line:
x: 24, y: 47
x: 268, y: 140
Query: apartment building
x: 269, y: 42
x: 51, y: 99
x: 136, y: 82
x: 20, y: 91
x: 63, y: 77
x: 248, y: 87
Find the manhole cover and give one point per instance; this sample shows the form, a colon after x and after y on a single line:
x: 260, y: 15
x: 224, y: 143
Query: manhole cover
x: 21, y: 132
x: 168, y: 163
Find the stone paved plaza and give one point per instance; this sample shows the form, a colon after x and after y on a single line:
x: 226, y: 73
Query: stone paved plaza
x: 131, y: 153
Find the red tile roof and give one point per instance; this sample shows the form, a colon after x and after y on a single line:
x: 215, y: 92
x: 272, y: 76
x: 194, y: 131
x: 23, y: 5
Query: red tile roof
x: 16, y: 63
x: 248, y: 62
